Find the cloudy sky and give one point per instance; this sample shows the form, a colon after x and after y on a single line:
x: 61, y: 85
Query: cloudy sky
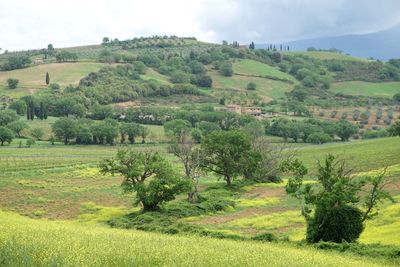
x: 33, y: 24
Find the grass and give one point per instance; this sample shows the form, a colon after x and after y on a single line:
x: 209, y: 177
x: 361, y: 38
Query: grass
x: 152, y: 74
x: 26, y: 242
x: 266, y: 88
x: 362, y: 155
x: 33, y: 78
x: 386, y: 89
x: 327, y: 55
x: 255, y: 68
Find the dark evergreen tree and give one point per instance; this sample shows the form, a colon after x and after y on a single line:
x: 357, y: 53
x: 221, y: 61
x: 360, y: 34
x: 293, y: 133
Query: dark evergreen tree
x: 47, y: 78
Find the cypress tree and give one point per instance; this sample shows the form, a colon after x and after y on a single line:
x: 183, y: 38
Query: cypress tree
x: 47, y: 78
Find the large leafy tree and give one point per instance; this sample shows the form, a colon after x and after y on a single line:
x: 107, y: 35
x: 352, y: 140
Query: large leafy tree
x: 335, y: 199
x: 65, y: 129
x: 345, y: 130
x: 17, y: 127
x: 228, y: 153
x: 6, y: 135
x: 137, y: 167
x: 7, y: 116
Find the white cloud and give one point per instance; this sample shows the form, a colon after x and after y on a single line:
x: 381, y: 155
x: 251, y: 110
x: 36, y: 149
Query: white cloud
x: 33, y: 24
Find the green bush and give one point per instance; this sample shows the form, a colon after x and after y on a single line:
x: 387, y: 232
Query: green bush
x: 343, y: 223
x: 12, y: 83
x: 251, y: 86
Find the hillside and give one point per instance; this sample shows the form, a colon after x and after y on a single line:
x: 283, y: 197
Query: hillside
x: 33, y: 78
x: 380, y: 45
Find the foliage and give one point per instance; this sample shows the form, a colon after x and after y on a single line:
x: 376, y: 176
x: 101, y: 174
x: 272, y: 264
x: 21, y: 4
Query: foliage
x: 6, y: 135
x: 394, y: 130
x: 7, y: 116
x: 37, y: 133
x: 345, y: 130
x: 15, y: 62
x: 65, y: 129
x: 12, y: 83
x: 229, y: 154
x: 251, y: 86
x: 334, y: 197
x: 136, y: 167
x: 17, y: 127
x: 225, y: 68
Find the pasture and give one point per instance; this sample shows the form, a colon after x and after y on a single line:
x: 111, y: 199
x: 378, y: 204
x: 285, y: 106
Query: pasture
x: 386, y: 89
x: 254, y: 68
x: 33, y: 78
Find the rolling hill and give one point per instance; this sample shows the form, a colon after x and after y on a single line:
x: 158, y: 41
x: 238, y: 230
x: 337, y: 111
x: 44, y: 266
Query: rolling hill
x: 381, y: 45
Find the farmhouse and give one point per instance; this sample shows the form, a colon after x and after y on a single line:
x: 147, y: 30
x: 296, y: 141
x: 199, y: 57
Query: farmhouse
x: 255, y: 111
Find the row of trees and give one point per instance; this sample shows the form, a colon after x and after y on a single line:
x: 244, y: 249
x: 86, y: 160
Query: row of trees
x: 86, y: 132
x: 311, y: 130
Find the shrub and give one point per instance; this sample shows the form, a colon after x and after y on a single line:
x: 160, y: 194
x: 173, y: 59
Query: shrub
x: 343, y: 223
x: 204, y: 80
x: 12, y: 83
x: 30, y: 142
x: 251, y: 86
x: 225, y: 68
x: 319, y: 138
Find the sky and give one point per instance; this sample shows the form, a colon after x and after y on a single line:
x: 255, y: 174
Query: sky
x: 26, y: 24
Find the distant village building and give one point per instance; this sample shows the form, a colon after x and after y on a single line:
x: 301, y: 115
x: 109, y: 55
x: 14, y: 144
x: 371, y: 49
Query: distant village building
x: 255, y: 111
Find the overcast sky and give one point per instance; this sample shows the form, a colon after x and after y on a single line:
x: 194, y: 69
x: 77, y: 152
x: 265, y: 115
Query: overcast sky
x: 33, y: 24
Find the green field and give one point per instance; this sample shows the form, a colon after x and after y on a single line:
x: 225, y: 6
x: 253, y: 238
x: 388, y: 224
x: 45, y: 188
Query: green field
x: 326, y: 55
x: 255, y: 68
x: 33, y: 78
x: 42, y: 243
x: 152, y: 74
x: 266, y: 88
x: 386, y: 89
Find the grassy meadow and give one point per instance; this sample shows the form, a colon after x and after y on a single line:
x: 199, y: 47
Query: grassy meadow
x: 33, y: 78
x: 255, y: 68
x: 42, y: 243
x: 387, y: 89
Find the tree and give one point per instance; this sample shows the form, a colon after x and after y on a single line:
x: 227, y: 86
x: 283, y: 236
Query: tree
x: 177, y: 128
x: 396, y: 97
x: 345, y: 130
x: 47, y: 78
x: 137, y: 167
x: 131, y: 130
x: 335, y: 198
x: 227, y: 153
x: 394, y: 130
x: 16, y: 61
x: 37, y: 133
x: 204, y: 80
x: 252, y: 46
x: 180, y: 77
x: 19, y: 107
x: 7, y: 116
x: 17, y: 127
x: 144, y: 132
x: 12, y: 83
x: 225, y: 68
x: 319, y: 138
x: 191, y: 157
x: 65, y: 129
x: 251, y: 86
x: 6, y: 135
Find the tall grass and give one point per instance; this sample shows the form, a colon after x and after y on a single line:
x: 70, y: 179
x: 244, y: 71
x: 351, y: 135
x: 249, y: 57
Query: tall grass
x: 26, y: 242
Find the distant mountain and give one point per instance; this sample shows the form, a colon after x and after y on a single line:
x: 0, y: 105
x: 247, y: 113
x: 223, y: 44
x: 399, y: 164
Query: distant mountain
x: 381, y: 45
